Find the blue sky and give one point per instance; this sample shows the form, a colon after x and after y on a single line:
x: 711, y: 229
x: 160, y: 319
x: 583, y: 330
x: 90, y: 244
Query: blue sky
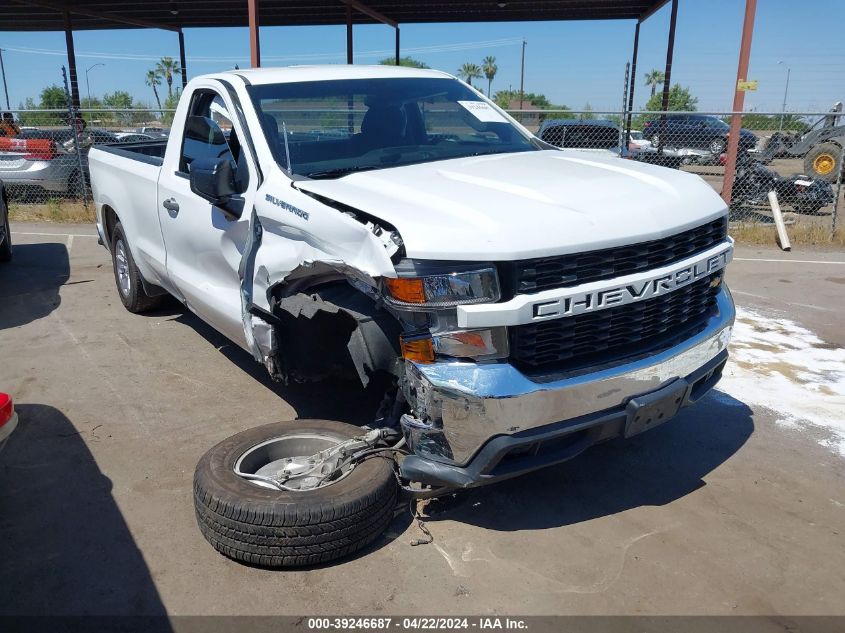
x: 572, y: 63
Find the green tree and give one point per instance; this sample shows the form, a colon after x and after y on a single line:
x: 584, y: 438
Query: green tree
x: 587, y: 112
x: 410, y: 62
x: 489, y: 68
x: 503, y: 99
x: 167, y: 67
x: 53, y: 97
x: 679, y: 99
x: 170, y: 104
x: 654, y: 79
x: 119, y: 99
x: 470, y: 71
x: 153, y: 79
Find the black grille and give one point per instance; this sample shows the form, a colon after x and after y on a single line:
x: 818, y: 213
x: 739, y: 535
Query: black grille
x: 534, y: 275
x: 614, y: 334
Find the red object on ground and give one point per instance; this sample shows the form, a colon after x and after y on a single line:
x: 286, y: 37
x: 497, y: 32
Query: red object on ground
x: 7, y: 408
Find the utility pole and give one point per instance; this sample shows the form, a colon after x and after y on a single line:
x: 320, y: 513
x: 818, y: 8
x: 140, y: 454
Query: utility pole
x: 739, y: 99
x: 5, y: 87
x: 522, y: 76
x: 785, y: 93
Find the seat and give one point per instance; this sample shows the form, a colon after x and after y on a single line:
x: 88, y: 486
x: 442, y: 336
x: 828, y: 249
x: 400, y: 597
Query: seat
x: 382, y: 126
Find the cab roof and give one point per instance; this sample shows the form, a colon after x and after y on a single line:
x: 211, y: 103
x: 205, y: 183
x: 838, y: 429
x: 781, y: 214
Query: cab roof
x: 329, y: 72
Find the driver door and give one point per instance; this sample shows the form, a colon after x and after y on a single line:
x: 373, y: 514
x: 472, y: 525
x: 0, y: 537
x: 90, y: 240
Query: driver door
x: 204, y: 242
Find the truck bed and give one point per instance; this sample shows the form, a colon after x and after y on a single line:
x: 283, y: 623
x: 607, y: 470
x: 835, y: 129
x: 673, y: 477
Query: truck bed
x: 150, y: 152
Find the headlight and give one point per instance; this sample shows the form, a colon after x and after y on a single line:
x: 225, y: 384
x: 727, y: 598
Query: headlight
x: 476, y: 344
x: 429, y: 291
x: 418, y: 288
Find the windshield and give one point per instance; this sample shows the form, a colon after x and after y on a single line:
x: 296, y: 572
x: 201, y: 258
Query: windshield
x: 333, y: 128
x: 715, y: 122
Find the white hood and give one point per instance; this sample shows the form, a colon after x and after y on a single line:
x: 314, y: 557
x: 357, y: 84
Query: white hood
x: 522, y: 205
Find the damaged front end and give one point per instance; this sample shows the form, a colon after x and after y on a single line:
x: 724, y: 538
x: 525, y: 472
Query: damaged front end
x: 309, y: 290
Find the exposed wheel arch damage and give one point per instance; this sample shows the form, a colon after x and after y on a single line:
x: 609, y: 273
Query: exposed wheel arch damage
x: 324, y: 316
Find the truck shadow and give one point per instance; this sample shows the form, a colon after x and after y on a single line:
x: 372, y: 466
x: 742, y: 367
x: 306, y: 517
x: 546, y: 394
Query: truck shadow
x: 651, y: 469
x: 30, y: 283
x: 65, y: 547
x: 329, y: 399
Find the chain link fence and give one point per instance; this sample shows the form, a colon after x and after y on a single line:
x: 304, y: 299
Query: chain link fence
x: 799, y: 156
x: 44, y: 159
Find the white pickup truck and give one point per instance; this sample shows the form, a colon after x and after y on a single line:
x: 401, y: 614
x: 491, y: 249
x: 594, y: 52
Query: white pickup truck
x: 528, y: 302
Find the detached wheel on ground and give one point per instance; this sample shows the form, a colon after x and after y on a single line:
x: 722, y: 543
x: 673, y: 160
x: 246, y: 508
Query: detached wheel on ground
x: 127, y: 276
x: 254, y: 522
x: 823, y: 161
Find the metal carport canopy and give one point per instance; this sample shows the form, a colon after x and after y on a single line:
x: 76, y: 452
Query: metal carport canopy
x: 46, y: 15
x: 176, y: 15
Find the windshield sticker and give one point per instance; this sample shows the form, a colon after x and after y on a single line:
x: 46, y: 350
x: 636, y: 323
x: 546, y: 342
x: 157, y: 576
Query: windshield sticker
x: 483, y: 111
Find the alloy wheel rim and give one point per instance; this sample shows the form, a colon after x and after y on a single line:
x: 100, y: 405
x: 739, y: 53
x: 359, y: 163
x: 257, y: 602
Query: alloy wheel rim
x: 123, y: 281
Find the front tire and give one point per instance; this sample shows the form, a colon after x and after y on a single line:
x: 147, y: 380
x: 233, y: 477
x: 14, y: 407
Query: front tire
x: 260, y: 525
x: 127, y: 277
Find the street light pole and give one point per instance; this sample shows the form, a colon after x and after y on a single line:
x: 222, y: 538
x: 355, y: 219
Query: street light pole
x: 785, y: 93
x: 87, y: 83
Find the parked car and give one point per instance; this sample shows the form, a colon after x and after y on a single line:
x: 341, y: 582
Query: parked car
x: 592, y: 134
x: 45, y: 161
x: 38, y: 161
x: 8, y: 418
x: 637, y: 141
x: 155, y: 132
x: 5, y: 229
x: 695, y: 131
x: 131, y: 137
x: 522, y: 302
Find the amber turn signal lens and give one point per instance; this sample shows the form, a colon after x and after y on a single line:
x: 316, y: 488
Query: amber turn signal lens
x: 408, y: 290
x: 419, y: 350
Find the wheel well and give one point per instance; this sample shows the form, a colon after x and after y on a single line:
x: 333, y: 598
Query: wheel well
x: 335, y: 329
x: 110, y: 220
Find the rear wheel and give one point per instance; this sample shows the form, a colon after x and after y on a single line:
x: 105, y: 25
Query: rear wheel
x: 130, y: 287
x: 6, y: 245
x: 75, y: 187
x: 823, y: 161
x: 717, y: 146
x: 251, y: 521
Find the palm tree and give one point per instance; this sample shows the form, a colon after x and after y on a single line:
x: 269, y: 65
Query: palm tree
x: 654, y: 79
x: 469, y: 71
x: 166, y: 68
x: 153, y: 79
x: 489, y: 67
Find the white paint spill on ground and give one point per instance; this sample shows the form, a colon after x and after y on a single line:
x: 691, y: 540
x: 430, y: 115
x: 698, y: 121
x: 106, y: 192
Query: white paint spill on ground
x: 777, y: 364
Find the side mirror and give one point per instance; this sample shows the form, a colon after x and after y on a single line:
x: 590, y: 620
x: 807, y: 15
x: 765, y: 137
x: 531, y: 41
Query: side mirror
x: 212, y: 179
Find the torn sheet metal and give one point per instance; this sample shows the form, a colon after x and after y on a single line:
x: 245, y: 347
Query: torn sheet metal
x: 293, y: 236
x: 260, y: 334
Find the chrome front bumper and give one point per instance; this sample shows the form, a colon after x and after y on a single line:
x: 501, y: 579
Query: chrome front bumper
x: 458, y: 407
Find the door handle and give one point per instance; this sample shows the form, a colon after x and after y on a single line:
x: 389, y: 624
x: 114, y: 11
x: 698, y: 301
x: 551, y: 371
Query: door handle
x: 172, y: 206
